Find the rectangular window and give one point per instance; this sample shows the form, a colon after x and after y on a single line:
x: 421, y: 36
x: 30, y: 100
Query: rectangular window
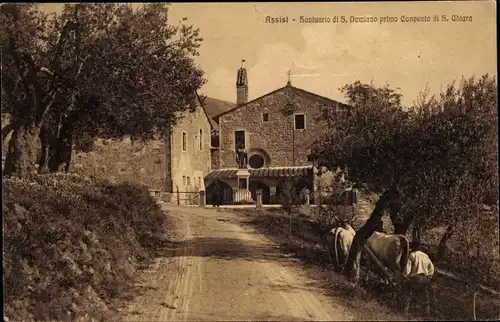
x: 300, y: 121
x: 184, y: 141
x: 214, y: 140
x: 239, y: 138
x: 265, y: 117
x: 188, y: 181
x: 201, y: 139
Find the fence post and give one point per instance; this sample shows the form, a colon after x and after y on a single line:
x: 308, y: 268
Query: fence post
x: 354, y: 200
x: 178, y: 197
x: 202, y: 198
x: 258, y: 195
x: 307, y: 195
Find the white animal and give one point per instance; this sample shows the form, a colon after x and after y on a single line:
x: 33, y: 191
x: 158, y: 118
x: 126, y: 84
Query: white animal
x: 339, y: 241
x: 391, y: 250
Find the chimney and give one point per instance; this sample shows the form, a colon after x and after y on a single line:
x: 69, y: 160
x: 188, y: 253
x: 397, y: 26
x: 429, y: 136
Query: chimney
x: 241, y: 85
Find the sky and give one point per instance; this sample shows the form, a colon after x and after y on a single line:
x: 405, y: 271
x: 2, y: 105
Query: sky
x: 323, y: 57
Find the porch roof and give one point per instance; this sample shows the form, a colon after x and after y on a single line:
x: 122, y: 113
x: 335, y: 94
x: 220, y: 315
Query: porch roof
x: 275, y: 172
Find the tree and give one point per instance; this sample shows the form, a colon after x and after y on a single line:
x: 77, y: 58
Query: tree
x: 429, y: 162
x: 95, y: 70
x: 290, y: 198
x: 461, y: 149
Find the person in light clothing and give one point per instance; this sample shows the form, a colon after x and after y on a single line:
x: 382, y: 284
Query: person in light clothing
x: 418, y: 277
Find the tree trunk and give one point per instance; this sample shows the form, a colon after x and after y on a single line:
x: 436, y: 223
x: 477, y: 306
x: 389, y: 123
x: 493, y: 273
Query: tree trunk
x: 415, y: 234
x: 61, y: 149
x: 400, y: 222
x: 442, y: 243
x: 45, y: 137
x: 352, y: 265
x: 21, y: 155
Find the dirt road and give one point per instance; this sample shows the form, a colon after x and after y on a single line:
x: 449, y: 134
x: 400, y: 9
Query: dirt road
x: 218, y: 269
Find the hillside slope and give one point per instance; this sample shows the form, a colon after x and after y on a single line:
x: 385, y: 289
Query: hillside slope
x: 72, y: 246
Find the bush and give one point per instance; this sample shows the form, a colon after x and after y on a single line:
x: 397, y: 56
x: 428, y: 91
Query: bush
x: 72, y: 245
x: 476, y: 250
x: 290, y: 198
x: 333, y: 204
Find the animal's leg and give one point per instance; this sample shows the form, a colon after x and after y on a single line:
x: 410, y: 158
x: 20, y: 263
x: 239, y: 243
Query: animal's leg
x: 393, y: 268
x: 367, y: 269
x: 330, y: 255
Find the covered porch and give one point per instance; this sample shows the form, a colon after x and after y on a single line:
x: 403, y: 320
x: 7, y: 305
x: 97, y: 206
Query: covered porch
x: 269, y: 180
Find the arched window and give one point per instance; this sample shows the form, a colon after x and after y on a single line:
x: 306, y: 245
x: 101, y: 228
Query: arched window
x: 201, y: 139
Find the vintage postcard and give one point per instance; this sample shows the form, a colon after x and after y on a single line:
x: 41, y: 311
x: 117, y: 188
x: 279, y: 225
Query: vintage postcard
x: 250, y: 161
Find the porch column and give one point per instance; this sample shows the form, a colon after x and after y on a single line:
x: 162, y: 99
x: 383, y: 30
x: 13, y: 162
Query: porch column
x: 272, y: 194
x: 258, y: 195
x: 307, y: 197
x: 243, y: 193
x: 202, y: 198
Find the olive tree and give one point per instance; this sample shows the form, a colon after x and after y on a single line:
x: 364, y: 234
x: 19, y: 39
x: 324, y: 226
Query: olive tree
x: 429, y: 162
x: 95, y: 70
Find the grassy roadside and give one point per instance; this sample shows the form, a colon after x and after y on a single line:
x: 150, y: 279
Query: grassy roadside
x: 72, y: 246
x: 307, y: 245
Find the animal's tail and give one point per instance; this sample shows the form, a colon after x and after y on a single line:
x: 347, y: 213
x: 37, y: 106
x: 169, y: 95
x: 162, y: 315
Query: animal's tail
x: 406, y: 252
x: 336, y: 233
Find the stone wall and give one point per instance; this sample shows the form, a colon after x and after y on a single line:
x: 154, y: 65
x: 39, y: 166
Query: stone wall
x: 215, y: 158
x: 124, y: 160
x: 277, y: 136
x: 191, y: 166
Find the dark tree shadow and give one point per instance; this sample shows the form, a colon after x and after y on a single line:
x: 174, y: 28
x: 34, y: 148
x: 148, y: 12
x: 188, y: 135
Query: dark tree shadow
x: 221, y: 248
x: 267, y: 316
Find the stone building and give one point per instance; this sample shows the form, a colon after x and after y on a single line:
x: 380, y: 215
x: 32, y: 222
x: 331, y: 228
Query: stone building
x: 214, y: 107
x: 276, y: 130
x: 188, y: 158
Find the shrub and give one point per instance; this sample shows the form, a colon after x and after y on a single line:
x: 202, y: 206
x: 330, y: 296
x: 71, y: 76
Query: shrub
x: 71, y: 245
x: 333, y: 204
x: 477, y: 250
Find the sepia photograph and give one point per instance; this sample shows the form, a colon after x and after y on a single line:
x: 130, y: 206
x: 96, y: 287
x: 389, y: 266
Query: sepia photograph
x: 250, y: 161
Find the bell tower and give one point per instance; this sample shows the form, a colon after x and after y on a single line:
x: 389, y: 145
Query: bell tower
x: 241, y: 85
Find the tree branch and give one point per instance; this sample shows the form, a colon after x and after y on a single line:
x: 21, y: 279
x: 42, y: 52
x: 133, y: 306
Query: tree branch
x: 81, y: 66
x: 51, y: 98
